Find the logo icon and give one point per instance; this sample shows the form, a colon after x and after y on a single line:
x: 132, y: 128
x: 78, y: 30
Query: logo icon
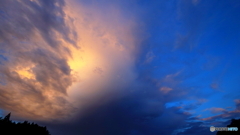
x: 212, y: 128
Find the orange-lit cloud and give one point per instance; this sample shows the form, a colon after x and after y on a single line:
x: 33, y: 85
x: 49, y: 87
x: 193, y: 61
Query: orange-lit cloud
x: 216, y: 110
x: 225, y: 114
x: 165, y: 89
x: 60, y: 60
x: 105, y: 59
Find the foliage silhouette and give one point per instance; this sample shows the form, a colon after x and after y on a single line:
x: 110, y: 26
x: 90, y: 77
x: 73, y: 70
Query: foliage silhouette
x: 234, y: 123
x: 7, y: 127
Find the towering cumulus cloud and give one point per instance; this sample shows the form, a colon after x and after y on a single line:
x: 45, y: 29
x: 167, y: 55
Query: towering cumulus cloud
x: 105, y: 61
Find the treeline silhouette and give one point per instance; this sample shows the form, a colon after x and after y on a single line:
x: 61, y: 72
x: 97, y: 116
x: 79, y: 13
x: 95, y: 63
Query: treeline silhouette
x: 7, y: 127
x: 234, y: 123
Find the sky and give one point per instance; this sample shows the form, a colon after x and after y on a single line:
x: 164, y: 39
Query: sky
x: 121, y: 67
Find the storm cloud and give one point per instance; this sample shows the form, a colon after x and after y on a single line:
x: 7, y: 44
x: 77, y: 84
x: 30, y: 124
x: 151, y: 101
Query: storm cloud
x: 34, y: 69
x: 117, y: 67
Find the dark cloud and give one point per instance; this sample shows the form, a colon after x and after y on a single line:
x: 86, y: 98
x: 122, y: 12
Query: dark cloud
x: 128, y: 116
x: 140, y: 111
x: 23, y: 18
x: 34, y: 69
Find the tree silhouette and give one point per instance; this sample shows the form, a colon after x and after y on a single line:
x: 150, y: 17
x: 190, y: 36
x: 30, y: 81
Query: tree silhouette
x: 234, y: 123
x: 7, y: 127
x: 7, y: 118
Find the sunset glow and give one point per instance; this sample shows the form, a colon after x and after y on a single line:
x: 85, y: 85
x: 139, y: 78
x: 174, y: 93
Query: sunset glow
x: 102, y: 67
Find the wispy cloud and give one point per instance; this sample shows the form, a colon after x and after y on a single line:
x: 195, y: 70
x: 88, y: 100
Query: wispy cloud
x: 216, y: 110
x: 225, y: 114
x: 219, y: 120
x: 165, y: 89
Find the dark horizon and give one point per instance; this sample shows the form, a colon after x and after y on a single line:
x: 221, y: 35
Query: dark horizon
x: 28, y: 128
